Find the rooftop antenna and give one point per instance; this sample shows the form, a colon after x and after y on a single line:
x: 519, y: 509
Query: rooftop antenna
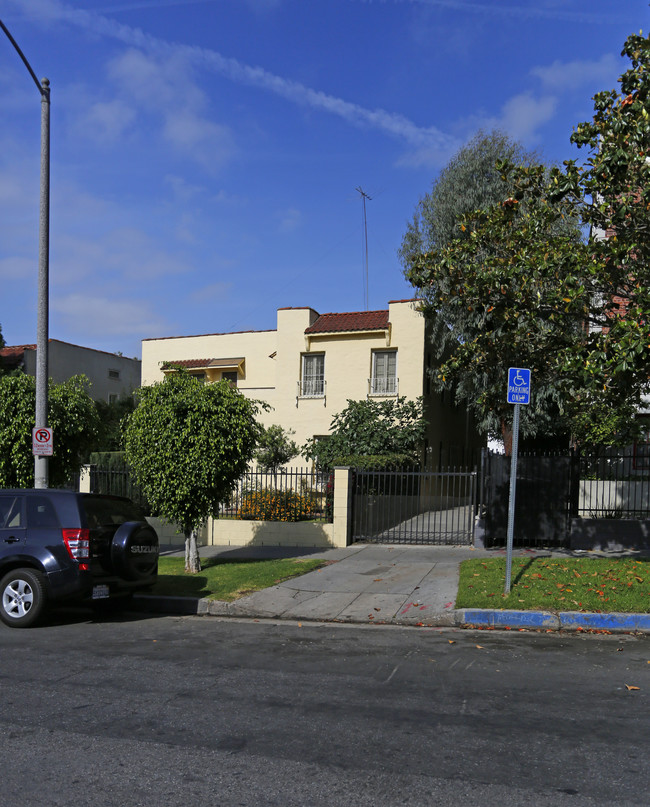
x: 365, y: 196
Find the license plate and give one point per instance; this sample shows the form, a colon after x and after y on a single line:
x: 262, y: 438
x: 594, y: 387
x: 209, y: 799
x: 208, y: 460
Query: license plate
x: 100, y: 592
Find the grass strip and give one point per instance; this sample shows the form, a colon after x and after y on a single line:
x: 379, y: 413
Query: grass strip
x: 600, y: 585
x: 228, y: 580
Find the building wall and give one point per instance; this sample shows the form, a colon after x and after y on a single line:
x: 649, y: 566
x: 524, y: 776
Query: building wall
x: 109, y: 374
x: 273, y: 367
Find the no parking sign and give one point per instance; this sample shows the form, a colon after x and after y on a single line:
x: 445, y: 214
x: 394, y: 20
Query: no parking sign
x: 42, y: 442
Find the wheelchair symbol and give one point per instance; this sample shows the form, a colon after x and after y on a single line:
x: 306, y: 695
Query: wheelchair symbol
x: 518, y: 380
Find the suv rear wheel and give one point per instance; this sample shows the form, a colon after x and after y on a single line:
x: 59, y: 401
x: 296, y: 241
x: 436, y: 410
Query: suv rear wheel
x: 22, y: 594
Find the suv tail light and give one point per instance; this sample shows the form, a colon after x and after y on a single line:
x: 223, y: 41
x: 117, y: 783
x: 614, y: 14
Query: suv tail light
x: 77, y: 542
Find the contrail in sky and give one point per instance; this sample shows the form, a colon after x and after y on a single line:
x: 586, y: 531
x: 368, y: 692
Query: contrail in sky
x: 391, y: 123
x: 528, y: 12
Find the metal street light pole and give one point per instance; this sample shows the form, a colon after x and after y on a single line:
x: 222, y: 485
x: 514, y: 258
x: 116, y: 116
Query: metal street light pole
x: 42, y: 328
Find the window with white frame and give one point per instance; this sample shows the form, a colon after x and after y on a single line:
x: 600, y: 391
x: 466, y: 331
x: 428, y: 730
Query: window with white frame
x: 313, y: 376
x: 384, y: 373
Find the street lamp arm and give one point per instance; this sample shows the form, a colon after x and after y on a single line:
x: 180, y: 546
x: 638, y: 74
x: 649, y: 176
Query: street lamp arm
x: 41, y: 89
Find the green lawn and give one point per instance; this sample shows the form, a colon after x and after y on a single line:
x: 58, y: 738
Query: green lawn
x: 557, y: 584
x: 227, y: 579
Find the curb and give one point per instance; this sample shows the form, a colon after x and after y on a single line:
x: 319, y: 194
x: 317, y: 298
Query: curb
x: 467, y: 618
x: 565, y: 620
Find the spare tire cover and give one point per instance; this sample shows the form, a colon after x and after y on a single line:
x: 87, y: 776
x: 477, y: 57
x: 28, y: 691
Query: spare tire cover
x: 134, y: 551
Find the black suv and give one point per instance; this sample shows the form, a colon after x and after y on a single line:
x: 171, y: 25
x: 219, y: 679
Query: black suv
x: 59, y: 545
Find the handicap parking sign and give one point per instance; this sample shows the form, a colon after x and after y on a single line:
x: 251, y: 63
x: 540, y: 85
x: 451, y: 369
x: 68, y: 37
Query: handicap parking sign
x: 518, y: 385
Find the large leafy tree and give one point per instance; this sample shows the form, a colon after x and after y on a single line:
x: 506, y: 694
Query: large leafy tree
x: 111, y: 417
x: 188, y: 443
x: 393, y: 428
x: 519, y: 289
x: 71, y: 414
x: 611, y: 188
x: 470, y: 181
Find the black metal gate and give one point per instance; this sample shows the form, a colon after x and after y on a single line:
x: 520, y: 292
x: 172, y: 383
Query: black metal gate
x: 545, y: 498
x: 414, y: 507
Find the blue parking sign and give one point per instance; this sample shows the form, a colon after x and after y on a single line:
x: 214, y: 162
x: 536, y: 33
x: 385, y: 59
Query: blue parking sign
x: 518, y: 385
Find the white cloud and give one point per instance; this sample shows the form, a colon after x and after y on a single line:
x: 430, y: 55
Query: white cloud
x: 214, y: 292
x: 159, y: 69
x: 18, y: 268
x: 120, y: 253
x: 183, y: 190
x: 107, y: 120
x: 532, y: 11
x: 165, y: 87
x: 573, y: 75
x: 289, y: 220
x: 525, y: 113
x: 96, y: 316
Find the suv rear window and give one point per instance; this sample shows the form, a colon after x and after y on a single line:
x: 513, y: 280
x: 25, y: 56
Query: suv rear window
x: 41, y: 513
x: 104, y: 512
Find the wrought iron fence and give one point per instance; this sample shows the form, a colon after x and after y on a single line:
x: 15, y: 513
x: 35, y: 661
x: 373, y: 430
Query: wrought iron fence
x: 117, y: 481
x: 612, y: 483
x: 552, y: 489
x: 294, y: 494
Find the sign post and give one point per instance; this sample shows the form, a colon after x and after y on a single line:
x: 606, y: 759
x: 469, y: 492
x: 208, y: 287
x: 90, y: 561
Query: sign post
x: 518, y: 394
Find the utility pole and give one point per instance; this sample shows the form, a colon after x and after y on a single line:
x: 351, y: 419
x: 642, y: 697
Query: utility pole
x: 42, y: 328
x: 365, y: 196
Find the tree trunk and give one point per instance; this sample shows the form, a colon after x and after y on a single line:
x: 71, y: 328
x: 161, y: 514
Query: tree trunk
x: 506, y: 431
x: 192, y: 560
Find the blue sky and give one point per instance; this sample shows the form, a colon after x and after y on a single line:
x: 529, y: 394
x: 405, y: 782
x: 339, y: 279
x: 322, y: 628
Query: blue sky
x: 206, y: 153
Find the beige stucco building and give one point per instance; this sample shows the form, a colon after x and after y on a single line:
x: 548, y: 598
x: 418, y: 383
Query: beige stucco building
x: 312, y: 364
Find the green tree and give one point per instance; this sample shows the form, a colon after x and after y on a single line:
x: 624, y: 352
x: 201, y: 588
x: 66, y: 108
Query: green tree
x: 112, y: 417
x: 502, y: 295
x: 520, y: 289
x: 2, y: 344
x: 370, y: 428
x: 188, y: 443
x: 611, y: 188
x: 275, y: 448
x: 470, y: 181
x: 71, y: 414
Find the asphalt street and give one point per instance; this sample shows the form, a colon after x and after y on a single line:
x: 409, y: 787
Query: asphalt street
x: 149, y: 710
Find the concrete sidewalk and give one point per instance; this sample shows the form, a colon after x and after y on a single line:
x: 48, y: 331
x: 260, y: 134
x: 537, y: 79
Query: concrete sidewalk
x: 383, y: 584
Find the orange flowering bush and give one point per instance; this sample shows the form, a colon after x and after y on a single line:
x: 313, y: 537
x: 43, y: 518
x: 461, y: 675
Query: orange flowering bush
x: 274, y: 505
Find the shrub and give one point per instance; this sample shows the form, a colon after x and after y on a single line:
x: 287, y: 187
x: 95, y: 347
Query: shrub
x: 274, y: 505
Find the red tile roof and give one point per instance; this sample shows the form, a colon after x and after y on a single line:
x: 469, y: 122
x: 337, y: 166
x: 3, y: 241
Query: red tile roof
x: 354, y: 321
x: 16, y: 350
x: 13, y: 356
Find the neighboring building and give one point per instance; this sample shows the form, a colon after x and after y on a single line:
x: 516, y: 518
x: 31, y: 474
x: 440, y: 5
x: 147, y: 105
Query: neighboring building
x: 112, y: 377
x: 312, y: 364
